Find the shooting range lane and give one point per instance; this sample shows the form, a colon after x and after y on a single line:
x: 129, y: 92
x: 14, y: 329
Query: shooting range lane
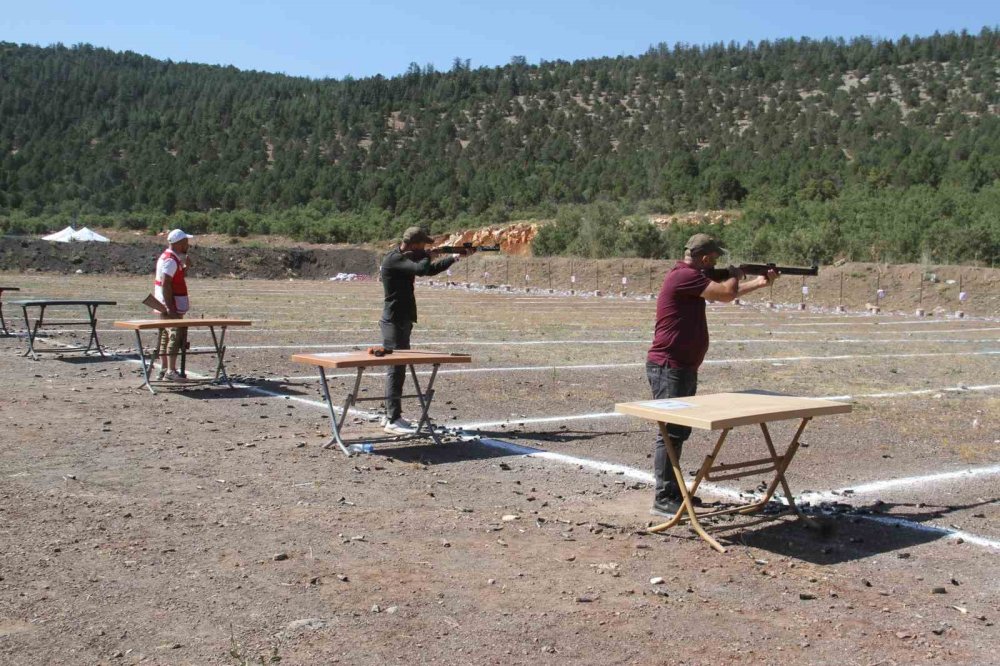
x: 488, y: 396
x: 242, y: 473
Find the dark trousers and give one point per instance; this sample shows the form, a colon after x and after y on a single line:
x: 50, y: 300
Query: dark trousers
x: 395, y: 335
x: 669, y: 383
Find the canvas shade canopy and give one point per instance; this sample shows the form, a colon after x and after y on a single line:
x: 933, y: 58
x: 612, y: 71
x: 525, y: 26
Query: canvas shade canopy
x: 69, y: 235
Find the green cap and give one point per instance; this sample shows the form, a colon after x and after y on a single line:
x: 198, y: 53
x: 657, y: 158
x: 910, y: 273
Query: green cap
x: 416, y: 235
x: 703, y: 244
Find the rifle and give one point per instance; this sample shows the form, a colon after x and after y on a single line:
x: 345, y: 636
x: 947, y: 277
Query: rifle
x: 720, y: 274
x: 464, y: 249
x: 151, y: 302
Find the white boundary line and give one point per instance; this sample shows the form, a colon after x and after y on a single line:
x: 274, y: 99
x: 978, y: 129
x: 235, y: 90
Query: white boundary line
x: 610, y: 415
x: 729, y: 493
x: 533, y: 343
x: 711, y: 488
x: 608, y: 366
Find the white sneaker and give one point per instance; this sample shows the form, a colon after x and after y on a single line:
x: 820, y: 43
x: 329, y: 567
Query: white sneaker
x: 400, y: 427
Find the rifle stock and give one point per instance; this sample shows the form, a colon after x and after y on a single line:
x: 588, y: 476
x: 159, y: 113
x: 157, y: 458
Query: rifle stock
x: 151, y: 302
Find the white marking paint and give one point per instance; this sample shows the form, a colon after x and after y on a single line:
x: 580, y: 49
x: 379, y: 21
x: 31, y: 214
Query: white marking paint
x: 606, y: 366
x: 517, y: 343
x: 727, y: 493
x: 878, y: 486
x: 707, y: 487
x: 611, y: 415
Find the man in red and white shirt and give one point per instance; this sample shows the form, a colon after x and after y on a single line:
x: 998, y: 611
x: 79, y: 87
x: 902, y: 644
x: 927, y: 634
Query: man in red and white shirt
x: 170, y: 289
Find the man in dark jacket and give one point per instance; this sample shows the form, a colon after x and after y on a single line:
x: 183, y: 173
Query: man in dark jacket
x: 680, y: 342
x: 399, y: 269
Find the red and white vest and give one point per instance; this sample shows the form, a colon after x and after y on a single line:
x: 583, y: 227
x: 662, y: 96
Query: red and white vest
x: 176, y: 280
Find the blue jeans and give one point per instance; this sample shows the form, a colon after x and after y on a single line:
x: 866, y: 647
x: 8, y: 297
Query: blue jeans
x: 669, y: 383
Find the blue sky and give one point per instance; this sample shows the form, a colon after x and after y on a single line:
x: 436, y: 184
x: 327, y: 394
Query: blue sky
x: 367, y: 37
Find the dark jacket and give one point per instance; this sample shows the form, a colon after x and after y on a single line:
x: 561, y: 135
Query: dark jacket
x: 398, y: 272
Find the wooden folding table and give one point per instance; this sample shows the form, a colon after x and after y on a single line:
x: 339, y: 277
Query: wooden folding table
x: 91, y: 306
x: 725, y: 411
x: 3, y: 324
x: 218, y: 343
x: 362, y: 361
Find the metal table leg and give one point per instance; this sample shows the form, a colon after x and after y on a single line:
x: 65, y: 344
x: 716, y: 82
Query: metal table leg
x: 425, y: 398
x: 220, y: 354
x: 348, y: 403
x: 92, y: 313
x: 32, y: 331
x: 781, y: 464
x: 142, y: 361
x: 687, y: 504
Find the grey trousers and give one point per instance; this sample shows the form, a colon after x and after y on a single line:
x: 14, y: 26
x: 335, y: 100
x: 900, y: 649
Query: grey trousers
x: 669, y: 383
x: 395, y: 335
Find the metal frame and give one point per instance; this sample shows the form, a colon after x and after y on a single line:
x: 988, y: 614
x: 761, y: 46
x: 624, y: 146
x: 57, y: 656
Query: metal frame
x: 3, y: 323
x: 426, y: 396
x: 773, y: 463
x: 218, y: 342
x: 91, y: 321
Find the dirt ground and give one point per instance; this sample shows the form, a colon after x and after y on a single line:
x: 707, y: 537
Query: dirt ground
x: 209, y: 526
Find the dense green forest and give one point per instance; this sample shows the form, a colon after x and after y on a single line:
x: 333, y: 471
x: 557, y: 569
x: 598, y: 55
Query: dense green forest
x: 862, y: 148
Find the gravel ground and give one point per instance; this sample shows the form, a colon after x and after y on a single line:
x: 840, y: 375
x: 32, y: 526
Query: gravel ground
x: 209, y: 526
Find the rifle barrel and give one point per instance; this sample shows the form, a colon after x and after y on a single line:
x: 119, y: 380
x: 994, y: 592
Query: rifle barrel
x: 761, y: 269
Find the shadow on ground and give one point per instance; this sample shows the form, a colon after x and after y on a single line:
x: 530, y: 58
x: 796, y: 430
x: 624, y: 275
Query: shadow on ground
x: 858, y: 533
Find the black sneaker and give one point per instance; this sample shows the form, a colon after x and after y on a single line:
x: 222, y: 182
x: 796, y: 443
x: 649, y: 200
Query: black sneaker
x: 666, y: 508
x: 669, y: 507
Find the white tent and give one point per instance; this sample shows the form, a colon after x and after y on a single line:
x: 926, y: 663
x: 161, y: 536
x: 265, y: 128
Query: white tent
x: 69, y: 235
x: 86, y: 235
x: 64, y: 236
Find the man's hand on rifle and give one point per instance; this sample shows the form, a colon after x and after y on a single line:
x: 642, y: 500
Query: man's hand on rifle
x: 767, y: 278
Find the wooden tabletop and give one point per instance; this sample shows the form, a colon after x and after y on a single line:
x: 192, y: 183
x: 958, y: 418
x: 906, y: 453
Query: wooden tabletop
x: 362, y: 359
x: 61, y: 301
x: 728, y: 410
x: 144, y: 324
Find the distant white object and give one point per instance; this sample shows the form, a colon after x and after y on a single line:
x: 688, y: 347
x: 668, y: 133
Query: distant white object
x: 805, y: 290
x: 962, y: 296
x: 345, y: 277
x: 70, y: 235
x: 64, y: 236
x: 85, y: 235
x: 880, y: 293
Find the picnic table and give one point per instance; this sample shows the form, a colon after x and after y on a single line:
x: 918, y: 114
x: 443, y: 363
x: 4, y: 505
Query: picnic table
x: 218, y: 346
x: 41, y: 304
x: 361, y: 361
x: 3, y: 324
x: 723, y: 412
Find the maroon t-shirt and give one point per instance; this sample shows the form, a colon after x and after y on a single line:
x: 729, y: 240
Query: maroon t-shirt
x: 680, y: 339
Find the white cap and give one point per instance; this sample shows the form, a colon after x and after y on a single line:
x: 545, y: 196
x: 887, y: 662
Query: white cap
x: 177, y: 236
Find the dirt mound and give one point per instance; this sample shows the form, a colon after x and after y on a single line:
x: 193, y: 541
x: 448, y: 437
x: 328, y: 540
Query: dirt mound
x: 139, y: 258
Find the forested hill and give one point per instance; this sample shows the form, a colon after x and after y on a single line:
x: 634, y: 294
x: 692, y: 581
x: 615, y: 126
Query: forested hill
x: 801, y: 135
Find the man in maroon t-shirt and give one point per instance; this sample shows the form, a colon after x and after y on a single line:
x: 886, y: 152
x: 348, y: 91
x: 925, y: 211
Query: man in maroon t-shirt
x: 680, y: 342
